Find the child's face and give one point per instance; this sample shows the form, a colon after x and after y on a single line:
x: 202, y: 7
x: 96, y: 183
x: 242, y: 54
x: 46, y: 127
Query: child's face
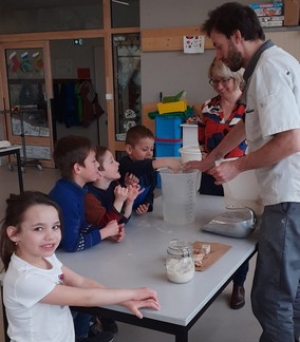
x: 89, y: 173
x: 142, y: 150
x: 110, y: 167
x: 39, y: 234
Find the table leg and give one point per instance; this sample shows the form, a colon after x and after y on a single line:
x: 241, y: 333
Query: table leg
x: 20, y: 176
x: 182, y: 336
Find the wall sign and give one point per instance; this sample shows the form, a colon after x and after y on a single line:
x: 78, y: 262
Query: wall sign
x: 193, y: 44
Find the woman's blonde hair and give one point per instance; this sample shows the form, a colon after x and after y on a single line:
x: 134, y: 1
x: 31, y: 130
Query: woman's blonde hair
x: 219, y: 70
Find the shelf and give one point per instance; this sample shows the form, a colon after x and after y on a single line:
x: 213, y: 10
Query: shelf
x: 169, y: 39
x: 25, y: 80
x: 281, y: 29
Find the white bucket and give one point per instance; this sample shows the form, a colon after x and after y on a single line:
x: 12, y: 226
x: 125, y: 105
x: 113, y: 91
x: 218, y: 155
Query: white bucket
x: 242, y: 191
x: 190, y: 152
x: 179, y: 195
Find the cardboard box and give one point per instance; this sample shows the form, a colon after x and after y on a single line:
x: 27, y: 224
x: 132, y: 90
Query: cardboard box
x: 291, y: 12
x: 268, y: 10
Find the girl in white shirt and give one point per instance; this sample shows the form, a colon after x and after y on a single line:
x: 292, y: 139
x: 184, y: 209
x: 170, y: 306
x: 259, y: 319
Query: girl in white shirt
x: 37, y: 288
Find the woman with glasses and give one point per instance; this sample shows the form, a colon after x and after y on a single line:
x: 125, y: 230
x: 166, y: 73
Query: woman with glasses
x: 218, y: 115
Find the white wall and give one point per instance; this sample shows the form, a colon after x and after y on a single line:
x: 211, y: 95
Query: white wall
x: 171, y: 72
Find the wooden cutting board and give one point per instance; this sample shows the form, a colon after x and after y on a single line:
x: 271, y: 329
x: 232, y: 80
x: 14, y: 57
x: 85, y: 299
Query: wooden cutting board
x: 217, y: 250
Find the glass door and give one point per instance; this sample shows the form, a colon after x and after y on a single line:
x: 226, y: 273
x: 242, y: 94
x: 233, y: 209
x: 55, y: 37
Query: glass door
x: 127, y: 82
x: 27, y: 90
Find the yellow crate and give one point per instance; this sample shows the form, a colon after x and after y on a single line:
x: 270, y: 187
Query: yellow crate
x: 172, y: 107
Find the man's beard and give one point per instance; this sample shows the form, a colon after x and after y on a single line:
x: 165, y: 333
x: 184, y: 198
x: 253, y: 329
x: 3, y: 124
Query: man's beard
x: 234, y: 61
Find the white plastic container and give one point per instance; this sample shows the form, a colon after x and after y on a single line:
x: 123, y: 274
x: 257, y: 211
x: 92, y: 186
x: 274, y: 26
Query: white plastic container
x: 178, y: 195
x: 190, y: 152
x: 243, y: 191
x: 189, y: 134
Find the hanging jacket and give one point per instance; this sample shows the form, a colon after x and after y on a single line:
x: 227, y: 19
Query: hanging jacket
x: 91, y: 108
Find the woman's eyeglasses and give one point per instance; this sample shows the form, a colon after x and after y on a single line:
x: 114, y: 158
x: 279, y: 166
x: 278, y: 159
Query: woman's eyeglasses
x: 223, y: 81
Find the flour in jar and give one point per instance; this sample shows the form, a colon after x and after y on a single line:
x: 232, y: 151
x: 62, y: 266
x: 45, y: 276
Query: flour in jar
x: 180, y: 270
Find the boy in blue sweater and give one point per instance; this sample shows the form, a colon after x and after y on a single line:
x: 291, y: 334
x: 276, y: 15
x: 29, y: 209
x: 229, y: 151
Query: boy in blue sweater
x: 75, y: 158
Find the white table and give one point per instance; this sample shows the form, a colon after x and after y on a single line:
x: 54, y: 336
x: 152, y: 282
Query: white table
x: 139, y: 260
x: 14, y: 150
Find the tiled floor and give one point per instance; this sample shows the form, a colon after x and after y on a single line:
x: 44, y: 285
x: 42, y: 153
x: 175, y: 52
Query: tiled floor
x: 219, y: 323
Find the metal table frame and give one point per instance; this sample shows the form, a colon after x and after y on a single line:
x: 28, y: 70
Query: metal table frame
x: 24, y: 161
x: 16, y: 151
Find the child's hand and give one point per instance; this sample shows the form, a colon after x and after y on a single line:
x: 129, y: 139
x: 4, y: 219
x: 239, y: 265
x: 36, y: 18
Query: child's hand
x: 121, y: 234
x: 171, y: 163
x: 121, y: 194
x: 130, y: 179
x: 143, y: 298
x: 111, y: 229
x: 142, y: 209
x: 133, y: 192
x: 174, y: 164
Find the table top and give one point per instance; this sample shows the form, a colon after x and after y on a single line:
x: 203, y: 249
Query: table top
x: 139, y: 260
x: 10, y: 148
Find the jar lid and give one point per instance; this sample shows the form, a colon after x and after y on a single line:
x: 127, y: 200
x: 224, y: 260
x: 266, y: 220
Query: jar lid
x: 180, y: 248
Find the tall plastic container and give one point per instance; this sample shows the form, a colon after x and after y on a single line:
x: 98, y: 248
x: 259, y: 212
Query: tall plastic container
x: 179, y: 195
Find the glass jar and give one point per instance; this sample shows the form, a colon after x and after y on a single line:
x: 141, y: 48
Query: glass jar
x: 180, y: 263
